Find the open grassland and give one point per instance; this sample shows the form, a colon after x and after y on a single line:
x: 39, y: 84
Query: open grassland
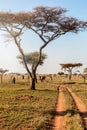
x: 22, y: 108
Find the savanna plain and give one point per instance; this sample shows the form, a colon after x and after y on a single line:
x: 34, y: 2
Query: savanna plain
x: 25, y: 109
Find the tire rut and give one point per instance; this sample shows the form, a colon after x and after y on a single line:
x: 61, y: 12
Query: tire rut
x: 60, y: 119
x: 80, y: 106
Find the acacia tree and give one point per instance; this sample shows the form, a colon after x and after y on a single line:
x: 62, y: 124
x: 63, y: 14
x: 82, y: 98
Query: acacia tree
x: 85, y: 71
x: 69, y: 67
x: 49, y: 23
x: 2, y: 71
x: 32, y: 59
x: 84, y: 75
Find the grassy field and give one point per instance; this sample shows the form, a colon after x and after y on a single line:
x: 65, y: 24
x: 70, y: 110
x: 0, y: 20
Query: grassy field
x: 22, y: 108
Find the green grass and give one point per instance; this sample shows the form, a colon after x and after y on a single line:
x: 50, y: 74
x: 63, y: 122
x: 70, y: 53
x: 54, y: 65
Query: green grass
x: 23, y: 108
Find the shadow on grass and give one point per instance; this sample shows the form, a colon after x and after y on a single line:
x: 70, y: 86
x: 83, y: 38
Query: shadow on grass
x: 46, y: 90
x: 63, y: 113
x: 82, y: 83
x: 72, y: 113
x: 69, y: 83
x: 84, y: 119
x: 83, y: 114
x: 49, y: 124
x: 73, y: 83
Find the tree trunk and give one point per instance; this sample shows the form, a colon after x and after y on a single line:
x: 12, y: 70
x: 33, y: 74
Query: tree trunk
x: 32, y: 83
x: 70, y: 75
x: 33, y: 80
x: 84, y: 78
x: 1, y: 79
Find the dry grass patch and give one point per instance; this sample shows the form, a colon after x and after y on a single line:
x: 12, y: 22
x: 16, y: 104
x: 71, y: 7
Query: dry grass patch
x: 21, y: 108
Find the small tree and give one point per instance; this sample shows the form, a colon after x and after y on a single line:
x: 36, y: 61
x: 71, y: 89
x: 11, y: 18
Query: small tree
x: 84, y: 75
x: 2, y: 71
x: 85, y: 71
x: 32, y: 59
x: 69, y: 67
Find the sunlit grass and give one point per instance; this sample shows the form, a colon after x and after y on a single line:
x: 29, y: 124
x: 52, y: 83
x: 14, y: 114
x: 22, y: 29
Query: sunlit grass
x: 23, y: 108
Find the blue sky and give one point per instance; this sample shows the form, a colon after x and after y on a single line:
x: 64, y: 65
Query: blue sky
x: 68, y: 48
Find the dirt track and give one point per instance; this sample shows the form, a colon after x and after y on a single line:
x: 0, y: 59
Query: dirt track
x: 81, y: 108
x: 60, y: 119
x: 60, y: 116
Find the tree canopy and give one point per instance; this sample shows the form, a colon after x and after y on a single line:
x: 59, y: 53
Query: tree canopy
x: 49, y: 23
x: 85, y: 71
x: 69, y: 67
x: 2, y: 71
x: 32, y: 58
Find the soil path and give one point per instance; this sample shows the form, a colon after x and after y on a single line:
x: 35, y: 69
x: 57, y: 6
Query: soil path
x: 60, y: 119
x: 81, y: 107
